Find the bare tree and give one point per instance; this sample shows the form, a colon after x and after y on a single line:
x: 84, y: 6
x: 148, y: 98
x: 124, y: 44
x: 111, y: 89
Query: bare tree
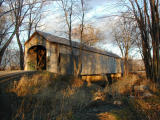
x: 124, y: 36
x: 75, y: 9
x: 18, y: 11
x: 4, y: 47
x: 10, y: 59
x: 18, y: 14
x: 87, y: 35
x: 6, y: 26
x: 91, y: 35
x: 67, y: 6
x: 82, y: 18
x: 21, y: 10
x: 34, y: 15
x: 146, y: 14
x: 68, y: 9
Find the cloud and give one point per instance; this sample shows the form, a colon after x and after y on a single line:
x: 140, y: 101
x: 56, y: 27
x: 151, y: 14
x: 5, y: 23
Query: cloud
x: 93, y: 3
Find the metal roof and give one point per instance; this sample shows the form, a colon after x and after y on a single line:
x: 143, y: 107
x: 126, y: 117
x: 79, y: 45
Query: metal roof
x: 60, y: 40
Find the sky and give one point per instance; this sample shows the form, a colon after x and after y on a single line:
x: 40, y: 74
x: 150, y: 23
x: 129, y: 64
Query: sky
x: 101, y: 14
x: 97, y: 10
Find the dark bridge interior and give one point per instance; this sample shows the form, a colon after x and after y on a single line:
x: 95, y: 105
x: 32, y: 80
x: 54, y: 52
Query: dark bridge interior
x: 37, y: 57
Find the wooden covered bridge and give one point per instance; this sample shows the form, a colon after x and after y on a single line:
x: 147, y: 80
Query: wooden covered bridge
x: 44, y: 51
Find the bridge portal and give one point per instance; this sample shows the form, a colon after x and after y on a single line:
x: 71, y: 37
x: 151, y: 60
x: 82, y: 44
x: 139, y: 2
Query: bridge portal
x: 37, y: 57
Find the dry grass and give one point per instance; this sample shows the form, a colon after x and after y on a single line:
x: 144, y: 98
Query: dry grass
x: 144, y: 109
x: 123, y: 86
x: 57, y: 97
x: 30, y: 86
x: 46, y: 96
x: 136, y: 107
x: 106, y: 116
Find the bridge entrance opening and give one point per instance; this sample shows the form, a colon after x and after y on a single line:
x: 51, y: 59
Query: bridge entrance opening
x: 37, y: 57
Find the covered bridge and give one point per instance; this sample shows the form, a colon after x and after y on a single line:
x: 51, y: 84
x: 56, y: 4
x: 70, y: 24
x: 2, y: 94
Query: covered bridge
x: 44, y: 51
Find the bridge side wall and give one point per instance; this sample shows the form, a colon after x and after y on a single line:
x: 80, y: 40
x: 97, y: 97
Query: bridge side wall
x: 92, y: 63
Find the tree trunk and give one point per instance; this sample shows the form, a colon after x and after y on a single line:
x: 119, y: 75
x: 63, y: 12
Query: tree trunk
x: 29, y: 30
x: 159, y: 66
x: 148, y: 22
x: 126, y: 67
x: 6, y: 45
x: 126, y: 63
x: 79, y: 69
x: 21, y: 59
x: 147, y: 57
x: 155, y: 35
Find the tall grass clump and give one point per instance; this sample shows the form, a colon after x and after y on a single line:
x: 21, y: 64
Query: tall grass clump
x: 32, y: 85
x: 121, y: 87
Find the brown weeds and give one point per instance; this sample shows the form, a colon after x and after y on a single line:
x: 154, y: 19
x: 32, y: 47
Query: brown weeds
x: 57, y: 97
x: 53, y: 96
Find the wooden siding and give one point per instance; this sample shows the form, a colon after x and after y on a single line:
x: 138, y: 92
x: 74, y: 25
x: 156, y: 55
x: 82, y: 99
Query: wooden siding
x: 92, y: 63
x: 58, y: 58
